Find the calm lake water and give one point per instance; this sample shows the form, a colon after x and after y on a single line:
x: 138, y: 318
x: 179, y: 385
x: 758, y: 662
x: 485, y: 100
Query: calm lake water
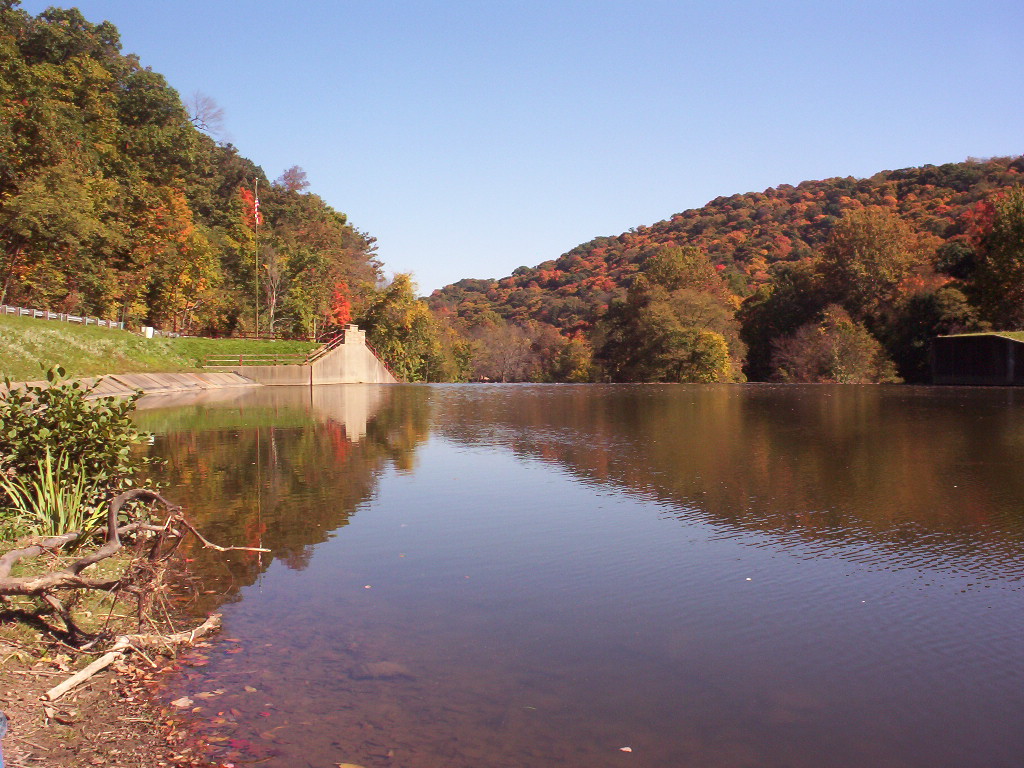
x: 518, y: 576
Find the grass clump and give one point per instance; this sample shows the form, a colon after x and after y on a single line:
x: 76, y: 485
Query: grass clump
x: 55, y: 498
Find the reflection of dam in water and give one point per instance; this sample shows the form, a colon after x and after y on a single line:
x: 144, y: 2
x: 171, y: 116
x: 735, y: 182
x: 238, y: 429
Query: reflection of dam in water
x: 277, y: 467
x: 352, y: 406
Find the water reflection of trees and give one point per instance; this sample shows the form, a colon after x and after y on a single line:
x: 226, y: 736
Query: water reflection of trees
x: 281, y: 468
x: 819, y: 463
x: 921, y: 470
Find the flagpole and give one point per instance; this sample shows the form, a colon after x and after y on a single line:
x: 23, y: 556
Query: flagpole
x: 256, y: 255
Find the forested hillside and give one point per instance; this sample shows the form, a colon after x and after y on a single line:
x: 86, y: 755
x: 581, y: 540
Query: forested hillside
x: 878, y: 265
x: 115, y: 200
x: 118, y: 201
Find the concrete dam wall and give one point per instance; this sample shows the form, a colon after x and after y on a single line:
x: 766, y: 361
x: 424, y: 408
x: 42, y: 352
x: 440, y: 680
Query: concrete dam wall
x: 350, y: 362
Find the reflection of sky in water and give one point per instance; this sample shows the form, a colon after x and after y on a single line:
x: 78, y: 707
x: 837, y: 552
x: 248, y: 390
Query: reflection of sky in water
x: 542, y: 586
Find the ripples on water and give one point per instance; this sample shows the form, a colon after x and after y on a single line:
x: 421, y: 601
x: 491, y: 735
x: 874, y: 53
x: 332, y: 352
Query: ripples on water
x: 542, y: 575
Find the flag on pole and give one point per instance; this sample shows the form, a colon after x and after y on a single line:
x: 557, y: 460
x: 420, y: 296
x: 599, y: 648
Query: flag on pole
x: 256, y: 208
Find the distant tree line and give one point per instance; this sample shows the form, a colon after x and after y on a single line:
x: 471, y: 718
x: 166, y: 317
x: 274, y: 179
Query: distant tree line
x: 841, y: 280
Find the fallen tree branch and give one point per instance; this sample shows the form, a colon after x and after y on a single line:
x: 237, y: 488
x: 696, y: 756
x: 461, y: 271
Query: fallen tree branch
x: 69, y: 577
x: 186, y: 637
x: 210, y: 545
x: 142, y: 578
x: 125, y: 643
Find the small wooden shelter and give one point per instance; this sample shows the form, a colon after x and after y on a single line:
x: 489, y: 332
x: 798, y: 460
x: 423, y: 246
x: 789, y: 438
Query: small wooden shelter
x: 990, y: 359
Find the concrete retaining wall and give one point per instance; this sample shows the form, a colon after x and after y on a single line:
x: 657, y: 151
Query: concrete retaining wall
x: 276, y: 375
x: 125, y: 384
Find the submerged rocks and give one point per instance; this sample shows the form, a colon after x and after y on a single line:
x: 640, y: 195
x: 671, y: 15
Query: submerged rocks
x: 381, y: 670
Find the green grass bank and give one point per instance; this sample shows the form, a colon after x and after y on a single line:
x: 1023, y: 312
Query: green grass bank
x: 28, y: 346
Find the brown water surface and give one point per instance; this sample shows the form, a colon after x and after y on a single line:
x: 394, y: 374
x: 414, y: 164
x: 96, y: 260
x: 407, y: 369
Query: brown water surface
x: 492, y: 576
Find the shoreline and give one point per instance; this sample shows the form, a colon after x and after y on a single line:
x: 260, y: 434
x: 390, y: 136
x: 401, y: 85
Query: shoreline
x: 119, y: 717
x: 66, y: 709
x: 116, y: 719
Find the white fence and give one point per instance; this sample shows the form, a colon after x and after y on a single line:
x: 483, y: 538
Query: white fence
x: 45, y: 314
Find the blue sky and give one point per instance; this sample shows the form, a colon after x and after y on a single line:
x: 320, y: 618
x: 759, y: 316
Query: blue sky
x: 474, y: 137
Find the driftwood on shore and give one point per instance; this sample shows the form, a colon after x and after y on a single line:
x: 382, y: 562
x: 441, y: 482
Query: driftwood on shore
x: 125, y: 643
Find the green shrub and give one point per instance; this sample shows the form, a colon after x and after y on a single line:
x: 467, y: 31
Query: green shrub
x: 92, y: 441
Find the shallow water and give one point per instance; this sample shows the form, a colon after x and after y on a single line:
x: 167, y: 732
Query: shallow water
x: 543, y: 575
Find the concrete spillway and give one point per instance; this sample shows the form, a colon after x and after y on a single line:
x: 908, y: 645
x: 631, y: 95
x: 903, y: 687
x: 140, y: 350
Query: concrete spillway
x: 349, y: 362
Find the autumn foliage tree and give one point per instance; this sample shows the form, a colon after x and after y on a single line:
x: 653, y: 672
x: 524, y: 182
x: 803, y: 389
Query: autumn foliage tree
x: 998, y: 285
x: 675, y: 324
x: 403, y: 331
x: 873, y: 260
x: 341, y: 306
x: 116, y: 201
x: 836, y: 349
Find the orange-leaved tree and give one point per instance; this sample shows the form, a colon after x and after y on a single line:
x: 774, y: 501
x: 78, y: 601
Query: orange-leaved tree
x: 341, y: 305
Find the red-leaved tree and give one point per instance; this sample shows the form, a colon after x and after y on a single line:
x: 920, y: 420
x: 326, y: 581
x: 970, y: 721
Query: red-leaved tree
x: 341, y: 305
